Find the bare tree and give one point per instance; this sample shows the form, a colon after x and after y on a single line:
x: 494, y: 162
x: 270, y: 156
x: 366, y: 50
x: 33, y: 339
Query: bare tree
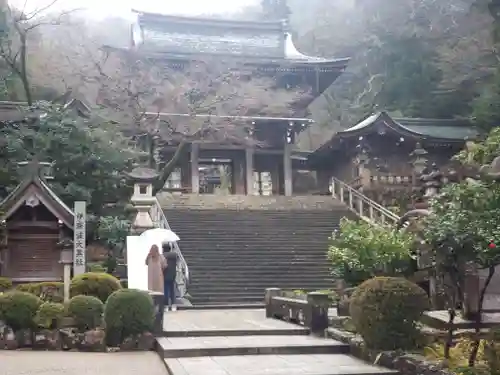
x: 19, y: 31
x: 155, y: 102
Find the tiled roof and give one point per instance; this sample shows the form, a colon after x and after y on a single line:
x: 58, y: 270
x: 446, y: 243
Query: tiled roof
x: 250, y: 39
x: 441, y: 130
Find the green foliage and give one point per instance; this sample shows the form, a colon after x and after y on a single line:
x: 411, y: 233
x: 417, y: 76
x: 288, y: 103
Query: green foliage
x: 5, y: 284
x: 50, y: 315
x: 480, y: 153
x: 89, y: 155
x: 96, y: 284
x: 97, y: 267
x: 486, y: 107
x: 18, y: 309
x: 86, y: 312
x: 47, y: 291
x: 359, y: 251
x: 464, y: 220
x: 128, y: 312
x: 385, y: 311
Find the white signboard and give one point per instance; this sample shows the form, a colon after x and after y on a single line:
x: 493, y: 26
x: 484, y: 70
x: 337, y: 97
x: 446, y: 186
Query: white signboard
x: 79, y: 239
x: 137, y: 251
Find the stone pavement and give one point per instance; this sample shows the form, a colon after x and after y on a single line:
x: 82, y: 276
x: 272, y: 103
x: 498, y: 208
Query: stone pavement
x: 76, y: 363
x: 245, y: 342
x: 229, y: 322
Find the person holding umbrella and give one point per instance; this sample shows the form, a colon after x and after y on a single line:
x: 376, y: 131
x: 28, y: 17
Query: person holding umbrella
x: 169, y: 275
x: 156, y: 265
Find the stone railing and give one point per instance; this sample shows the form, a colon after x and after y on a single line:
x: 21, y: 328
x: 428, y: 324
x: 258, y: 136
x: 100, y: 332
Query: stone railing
x: 363, y: 206
x: 311, y: 312
x: 182, y: 279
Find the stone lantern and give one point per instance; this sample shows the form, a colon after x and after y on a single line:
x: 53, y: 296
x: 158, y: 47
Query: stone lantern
x: 143, y: 198
x: 432, y: 181
x: 419, y: 158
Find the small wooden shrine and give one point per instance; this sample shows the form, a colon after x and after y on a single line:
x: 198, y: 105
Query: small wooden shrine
x: 36, y: 230
x: 386, y: 153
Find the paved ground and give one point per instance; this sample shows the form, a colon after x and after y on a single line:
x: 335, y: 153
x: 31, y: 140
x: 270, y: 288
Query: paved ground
x: 319, y: 364
x: 223, y: 320
x: 75, y: 363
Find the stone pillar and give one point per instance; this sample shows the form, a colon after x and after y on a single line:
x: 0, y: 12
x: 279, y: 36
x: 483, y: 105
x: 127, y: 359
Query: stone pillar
x: 470, y: 308
x: 287, y: 169
x: 195, y: 175
x: 249, y: 176
x: 270, y: 293
x: 317, y: 317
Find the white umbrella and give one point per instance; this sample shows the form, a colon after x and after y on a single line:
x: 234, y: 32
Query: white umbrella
x: 159, y: 236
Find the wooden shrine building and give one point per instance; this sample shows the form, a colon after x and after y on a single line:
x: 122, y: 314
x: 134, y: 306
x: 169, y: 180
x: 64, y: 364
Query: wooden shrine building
x: 263, y: 49
x: 386, y: 153
x: 36, y: 230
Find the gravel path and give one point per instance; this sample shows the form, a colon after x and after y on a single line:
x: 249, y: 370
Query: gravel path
x: 75, y: 363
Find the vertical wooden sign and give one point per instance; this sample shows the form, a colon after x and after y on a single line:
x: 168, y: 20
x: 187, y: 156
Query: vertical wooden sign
x: 79, y: 230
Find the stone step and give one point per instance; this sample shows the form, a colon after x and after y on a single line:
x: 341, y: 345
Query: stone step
x: 301, y: 364
x: 178, y: 347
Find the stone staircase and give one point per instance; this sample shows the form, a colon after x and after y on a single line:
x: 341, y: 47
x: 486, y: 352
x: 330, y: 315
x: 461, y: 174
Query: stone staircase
x: 237, y: 246
x: 245, y: 342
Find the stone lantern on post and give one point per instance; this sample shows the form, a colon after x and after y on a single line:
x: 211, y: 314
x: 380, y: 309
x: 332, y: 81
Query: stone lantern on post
x: 142, y: 198
x: 66, y: 259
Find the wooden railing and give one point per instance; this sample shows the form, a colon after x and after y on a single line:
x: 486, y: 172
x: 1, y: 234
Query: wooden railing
x: 361, y: 205
x: 182, y: 279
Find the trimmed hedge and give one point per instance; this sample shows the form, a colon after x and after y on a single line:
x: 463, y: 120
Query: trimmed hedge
x: 96, y: 284
x: 5, y: 284
x: 48, y: 291
x: 86, y: 312
x: 50, y: 315
x: 18, y: 309
x: 385, y: 311
x: 128, y: 312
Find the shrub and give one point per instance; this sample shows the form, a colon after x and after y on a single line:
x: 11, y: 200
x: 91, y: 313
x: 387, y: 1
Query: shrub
x: 96, y: 284
x: 18, y: 309
x: 128, y: 312
x: 385, y: 311
x: 49, y: 291
x: 50, y: 315
x: 5, y: 284
x: 359, y: 251
x: 28, y: 288
x: 124, y: 283
x: 97, y: 267
x: 86, y: 312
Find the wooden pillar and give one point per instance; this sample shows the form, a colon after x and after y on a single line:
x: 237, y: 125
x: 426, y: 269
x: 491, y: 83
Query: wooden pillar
x: 287, y: 169
x: 195, y: 176
x: 249, y: 177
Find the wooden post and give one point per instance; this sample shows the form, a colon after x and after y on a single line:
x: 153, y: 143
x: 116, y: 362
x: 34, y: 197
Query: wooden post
x: 317, y: 317
x: 195, y: 177
x: 270, y: 293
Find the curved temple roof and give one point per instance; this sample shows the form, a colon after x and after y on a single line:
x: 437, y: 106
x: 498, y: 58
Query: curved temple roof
x: 183, y: 36
x: 440, y: 130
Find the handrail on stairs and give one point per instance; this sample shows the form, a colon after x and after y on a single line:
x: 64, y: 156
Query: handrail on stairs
x: 361, y: 205
x: 182, y: 278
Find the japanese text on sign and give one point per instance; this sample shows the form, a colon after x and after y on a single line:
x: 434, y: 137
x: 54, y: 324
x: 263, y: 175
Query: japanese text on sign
x: 79, y: 238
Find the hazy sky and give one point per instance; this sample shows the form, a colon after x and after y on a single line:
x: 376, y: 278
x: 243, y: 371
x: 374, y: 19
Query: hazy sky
x: 122, y: 7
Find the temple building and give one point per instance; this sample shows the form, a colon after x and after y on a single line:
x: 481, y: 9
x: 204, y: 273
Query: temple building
x: 382, y: 153
x: 261, y: 48
x: 36, y: 230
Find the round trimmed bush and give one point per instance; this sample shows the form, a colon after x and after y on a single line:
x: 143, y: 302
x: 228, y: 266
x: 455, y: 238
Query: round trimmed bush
x: 385, y: 311
x: 48, y: 291
x: 5, y: 284
x: 18, y: 309
x: 86, y: 312
x: 127, y: 312
x: 50, y: 315
x: 97, y: 284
